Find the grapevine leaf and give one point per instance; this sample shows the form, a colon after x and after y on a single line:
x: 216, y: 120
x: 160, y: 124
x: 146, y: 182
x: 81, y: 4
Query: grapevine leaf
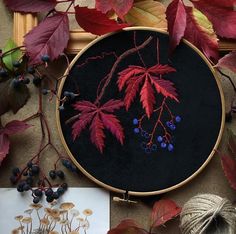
x: 15, y: 126
x: 4, y: 146
x: 165, y: 87
x: 97, y: 133
x: 85, y: 106
x: 120, y: 7
x: 49, y: 37
x: 222, y: 18
x: 228, y: 61
x: 95, y: 21
x: 113, y: 124
x: 30, y: 6
x: 163, y: 211
x: 147, y: 13
x: 147, y: 98
x: 176, y: 17
x: 11, y: 57
x: 229, y: 167
x: 197, y: 36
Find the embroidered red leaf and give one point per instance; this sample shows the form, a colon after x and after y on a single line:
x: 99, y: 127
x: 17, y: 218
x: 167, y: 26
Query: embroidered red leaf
x: 197, y: 36
x: 4, y: 146
x: 229, y: 167
x: 81, y: 124
x: 176, y: 17
x: 222, y: 18
x: 135, y: 76
x: 95, y: 21
x: 160, y: 69
x: 127, y: 226
x: 15, y: 126
x: 228, y: 61
x: 165, y: 87
x: 147, y: 98
x: 32, y: 6
x: 99, y: 118
x: 97, y: 133
x: 125, y: 75
x: 163, y: 211
x: 120, y: 7
x: 49, y: 37
x: 113, y: 124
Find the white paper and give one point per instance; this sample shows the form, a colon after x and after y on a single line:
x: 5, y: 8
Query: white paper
x: 13, y: 204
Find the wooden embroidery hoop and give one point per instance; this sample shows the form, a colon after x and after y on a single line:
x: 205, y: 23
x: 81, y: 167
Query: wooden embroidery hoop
x: 134, y: 193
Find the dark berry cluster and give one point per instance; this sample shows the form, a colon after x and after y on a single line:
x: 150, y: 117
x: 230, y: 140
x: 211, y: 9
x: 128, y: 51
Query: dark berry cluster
x: 68, y: 96
x: 164, y: 142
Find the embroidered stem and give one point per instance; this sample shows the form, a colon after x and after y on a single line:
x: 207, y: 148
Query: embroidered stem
x: 119, y: 59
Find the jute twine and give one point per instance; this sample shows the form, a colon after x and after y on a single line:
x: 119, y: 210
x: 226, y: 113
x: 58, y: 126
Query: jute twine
x: 208, y: 214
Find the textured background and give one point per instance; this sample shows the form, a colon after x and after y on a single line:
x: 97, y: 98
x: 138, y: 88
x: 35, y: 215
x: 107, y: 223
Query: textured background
x: 23, y: 147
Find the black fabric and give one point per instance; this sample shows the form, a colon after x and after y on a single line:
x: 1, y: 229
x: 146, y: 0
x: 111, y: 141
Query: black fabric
x: 128, y: 167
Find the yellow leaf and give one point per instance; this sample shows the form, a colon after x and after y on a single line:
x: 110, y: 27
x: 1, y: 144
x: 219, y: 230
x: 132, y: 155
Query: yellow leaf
x: 148, y: 13
x: 205, y: 24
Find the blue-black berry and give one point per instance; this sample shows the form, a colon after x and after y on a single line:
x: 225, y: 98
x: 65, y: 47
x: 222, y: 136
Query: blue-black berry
x: 178, y: 119
x: 168, y: 123
x: 60, y: 174
x: 3, y: 73
x: 15, y: 171
x: 26, y: 187
x: 52, y: 174
x: 49, y: 198
x: 37, y: 81
x: 66, y: 163
x: 135, y: 121
x: 146, y: 135
x: 160, y: 139
x: 61, y: 108
x: 45, y: 58
x: 45, y: 91
x: 35, y: 169
x: 136, y: 130
x: 154, y: 147
x: 49, y: 192
x: 16, y: 64
x: 170, y: 147
x: 64, y: 186
x: 172, y: 127
x: 15, y: 83
x: 26, y: 81
x: 36, y: 200
x: 60, y: 190
x: 31, y: 70
x: 38, y: 193
x: 29, y: 164
x: 163, y: 145
x: 56, y: 195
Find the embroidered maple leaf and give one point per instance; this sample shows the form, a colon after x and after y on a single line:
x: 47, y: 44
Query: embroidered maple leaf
x: 135, y: 76
x: 99, y: 118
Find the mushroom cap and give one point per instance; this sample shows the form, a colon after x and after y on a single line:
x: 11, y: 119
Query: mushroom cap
x: 48, y: 211
x: 74, y: 212
x: 73, y: 232
x: 19, y: 217
x: 64, y: 221
x: 26, y: 220
x: 87, y: 212
x: 44, y: 221
x: 36, y: 206
x: 15, y: 231
x: 29, y: 211
x: 66, y: 206
x: 53, y: 232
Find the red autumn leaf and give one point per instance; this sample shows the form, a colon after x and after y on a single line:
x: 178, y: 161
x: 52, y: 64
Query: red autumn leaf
x: 15, y: 126
x: 232, y: 142
x: 229, y: 167
x: 49, y: 37
x: 120, y: 7
x: 135, y: 76
x: 127, y: 226
x: 99, y: 118
x: 222, y: 3
x: 197, y: 36
x: 228, y: 61
x: 176, y: 18
x: 10, y: 128
x: 95, y: 21
x: 4, y: 146
x: 147, y: 98
x: 31, y: 6
x: 163, y: 211
x: 223, y: 19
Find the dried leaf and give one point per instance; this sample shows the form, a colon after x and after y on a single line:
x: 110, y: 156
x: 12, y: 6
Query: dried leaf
x: 222, y: 18
x: 4, y: 147
x: 176, y: 17
x: 163, y: 211
x: 228, y: 61
x: 30, y: 6
x: 197, y: 36
x: 15, y: 126
x: 127, y: 226
x: 147, y: 13
x: 95, y: 21
x: 120, y: 7
x: 10, y: 58
x: 49, y: 37
x: 229, y: 167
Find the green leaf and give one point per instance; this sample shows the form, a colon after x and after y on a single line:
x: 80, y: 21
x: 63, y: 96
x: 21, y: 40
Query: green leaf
x: 14, y: 56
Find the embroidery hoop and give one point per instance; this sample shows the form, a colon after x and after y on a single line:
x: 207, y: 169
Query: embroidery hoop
x: 136, y: 193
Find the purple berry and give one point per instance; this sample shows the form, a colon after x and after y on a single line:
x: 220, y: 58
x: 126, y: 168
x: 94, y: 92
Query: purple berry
x: 136, y: 130
x: 178, y: 119
x: 135, y: 121
x: 160, y: 139
x: 170, y: 147
x: 163, y: 145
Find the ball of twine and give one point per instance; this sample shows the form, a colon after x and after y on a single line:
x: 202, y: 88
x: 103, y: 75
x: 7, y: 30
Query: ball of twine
x: 208, y: 214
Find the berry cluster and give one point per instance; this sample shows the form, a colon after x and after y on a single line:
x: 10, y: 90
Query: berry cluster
x: 163, y: 141
x: 68, y: 96
x: 31, y: 174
